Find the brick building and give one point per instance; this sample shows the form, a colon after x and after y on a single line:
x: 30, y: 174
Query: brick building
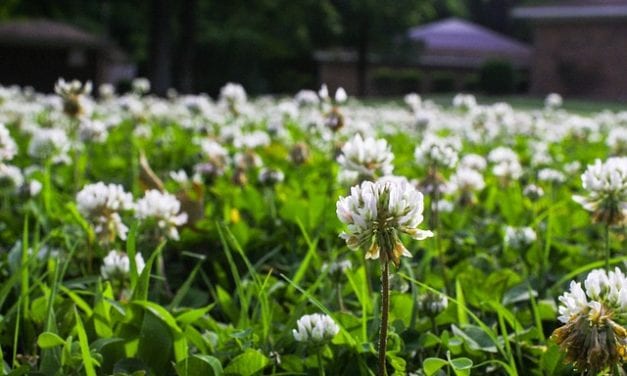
x: 580, y: 48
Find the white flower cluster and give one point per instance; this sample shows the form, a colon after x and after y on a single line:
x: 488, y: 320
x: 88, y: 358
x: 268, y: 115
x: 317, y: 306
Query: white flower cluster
x: 443, y: 152
x: 74, y: 95
x: 8, y: 148
x: 117, y: 265
x: 340, y: 94
x: 606, y: 183
x: 315, y: 329
x: 366, y: 159
x: 50, y: 143
x: 506, y: 163
x: 465, y: 101
x: 602, y: 290
x: 164, y: 209
x: 375, y: 212
x: 140, y: 85
x: 551, y: 176
x: 519, y: 237
x: 467, y: 180
x: 269, y: 176
x: 233, y: 94
x: 102, y: 203
x: 617, y: 139
x: 553, y: 101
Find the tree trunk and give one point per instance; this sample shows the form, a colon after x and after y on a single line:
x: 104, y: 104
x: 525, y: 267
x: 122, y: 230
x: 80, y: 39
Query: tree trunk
x: 187, y: 46
x: 160, y: 46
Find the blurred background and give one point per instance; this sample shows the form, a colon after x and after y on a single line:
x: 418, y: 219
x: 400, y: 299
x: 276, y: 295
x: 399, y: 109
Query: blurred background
x: 370, y: 47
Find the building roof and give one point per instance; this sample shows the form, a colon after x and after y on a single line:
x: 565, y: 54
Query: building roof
x: 46, y: 32
x: 574, y: 11
x: 455, y: 42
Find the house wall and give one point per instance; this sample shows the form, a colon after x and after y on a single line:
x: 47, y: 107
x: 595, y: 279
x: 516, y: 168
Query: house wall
x: 580, y: 59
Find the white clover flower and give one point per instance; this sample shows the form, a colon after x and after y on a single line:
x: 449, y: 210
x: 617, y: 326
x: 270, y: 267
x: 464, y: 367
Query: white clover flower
x: 606, y: 183
x: 117, y: 265
x: 552, y: 176
x: 74, y: 95
x: 101, y: 204
x: 533, y: 191
x: 270, y: 176
x: 502, y: 154
x: 508, y: 170
x: 140, y: 85
x: 473, y: 161
x: 445, y: 206
x: 93, y: 130
x: 323, y: 93
x: 106, y: 91
x: 252, y: 140
x: 467, y: 180
x: 370, y: 158
x: 315, y: 329
x: 616, y: 139
x: 306, y: 98
x: 553, y: 100
x: 50, y: 143
x: 8, y: 147
x: 339, y: 267
x: 11, y: 176
x: 164, y: 209
x: 413, y: 101
x: 592, y: 335
x: 572, y: 167
x: 519, y: 237
x: 233, y: 94
x: 376, y: 212
x: 442, y: 152
x: 340, y: 95
x: 465, y: 101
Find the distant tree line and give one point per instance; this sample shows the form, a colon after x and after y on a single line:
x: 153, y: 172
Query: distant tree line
x: 267, y: 45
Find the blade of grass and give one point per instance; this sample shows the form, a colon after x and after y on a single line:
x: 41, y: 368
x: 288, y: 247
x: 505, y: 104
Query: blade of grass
x: 84, y: 346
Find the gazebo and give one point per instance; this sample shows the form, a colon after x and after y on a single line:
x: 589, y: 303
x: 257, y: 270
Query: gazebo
x: 37, y: 52
x: 453, y: 46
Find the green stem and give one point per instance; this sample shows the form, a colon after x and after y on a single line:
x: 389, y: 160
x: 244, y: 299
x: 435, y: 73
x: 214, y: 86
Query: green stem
x: 320, y: 364
x: 607, y: 247
x: 385, y: 307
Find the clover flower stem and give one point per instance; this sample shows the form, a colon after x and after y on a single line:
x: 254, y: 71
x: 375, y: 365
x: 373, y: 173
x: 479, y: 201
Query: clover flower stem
x: 607, y: 247
x: 340, y: 301
x: 385, y: 307
x: 320, y: 364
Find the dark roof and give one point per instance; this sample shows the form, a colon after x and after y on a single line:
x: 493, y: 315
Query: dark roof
x: 46, y: 32
x: 577, y: 10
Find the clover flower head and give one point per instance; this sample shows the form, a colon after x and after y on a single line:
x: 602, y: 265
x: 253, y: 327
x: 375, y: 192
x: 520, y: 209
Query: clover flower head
x: 8, y: 147
x: 553, y: 101
x: 606, y: 183
x: 233, y: 93
x: 74, y: 95
x: 592, y: 335
x: 464, y: 101
x: 617, y: 139
x: 442, y: 152
x: 270, y: 177
x: 519, y: 237
x: 101, y: 204
x: 117, y: 265
x: 473, y: 161
x: 431, y: 303
x: 164, y: 209
x: 315, y: 329
x: 50, y: 143
x: 467, y: 179
x: 552, y: 176
x: 376, y: 212
x: 413, y: 101
x: 370, y: 158
x: 140, y: 85
x: 11, y: 176
x: 306, y: 98
x: 533, y: 191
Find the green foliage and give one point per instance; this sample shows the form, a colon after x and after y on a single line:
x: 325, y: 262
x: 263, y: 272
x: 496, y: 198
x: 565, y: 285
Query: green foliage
x: 497, y: 77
